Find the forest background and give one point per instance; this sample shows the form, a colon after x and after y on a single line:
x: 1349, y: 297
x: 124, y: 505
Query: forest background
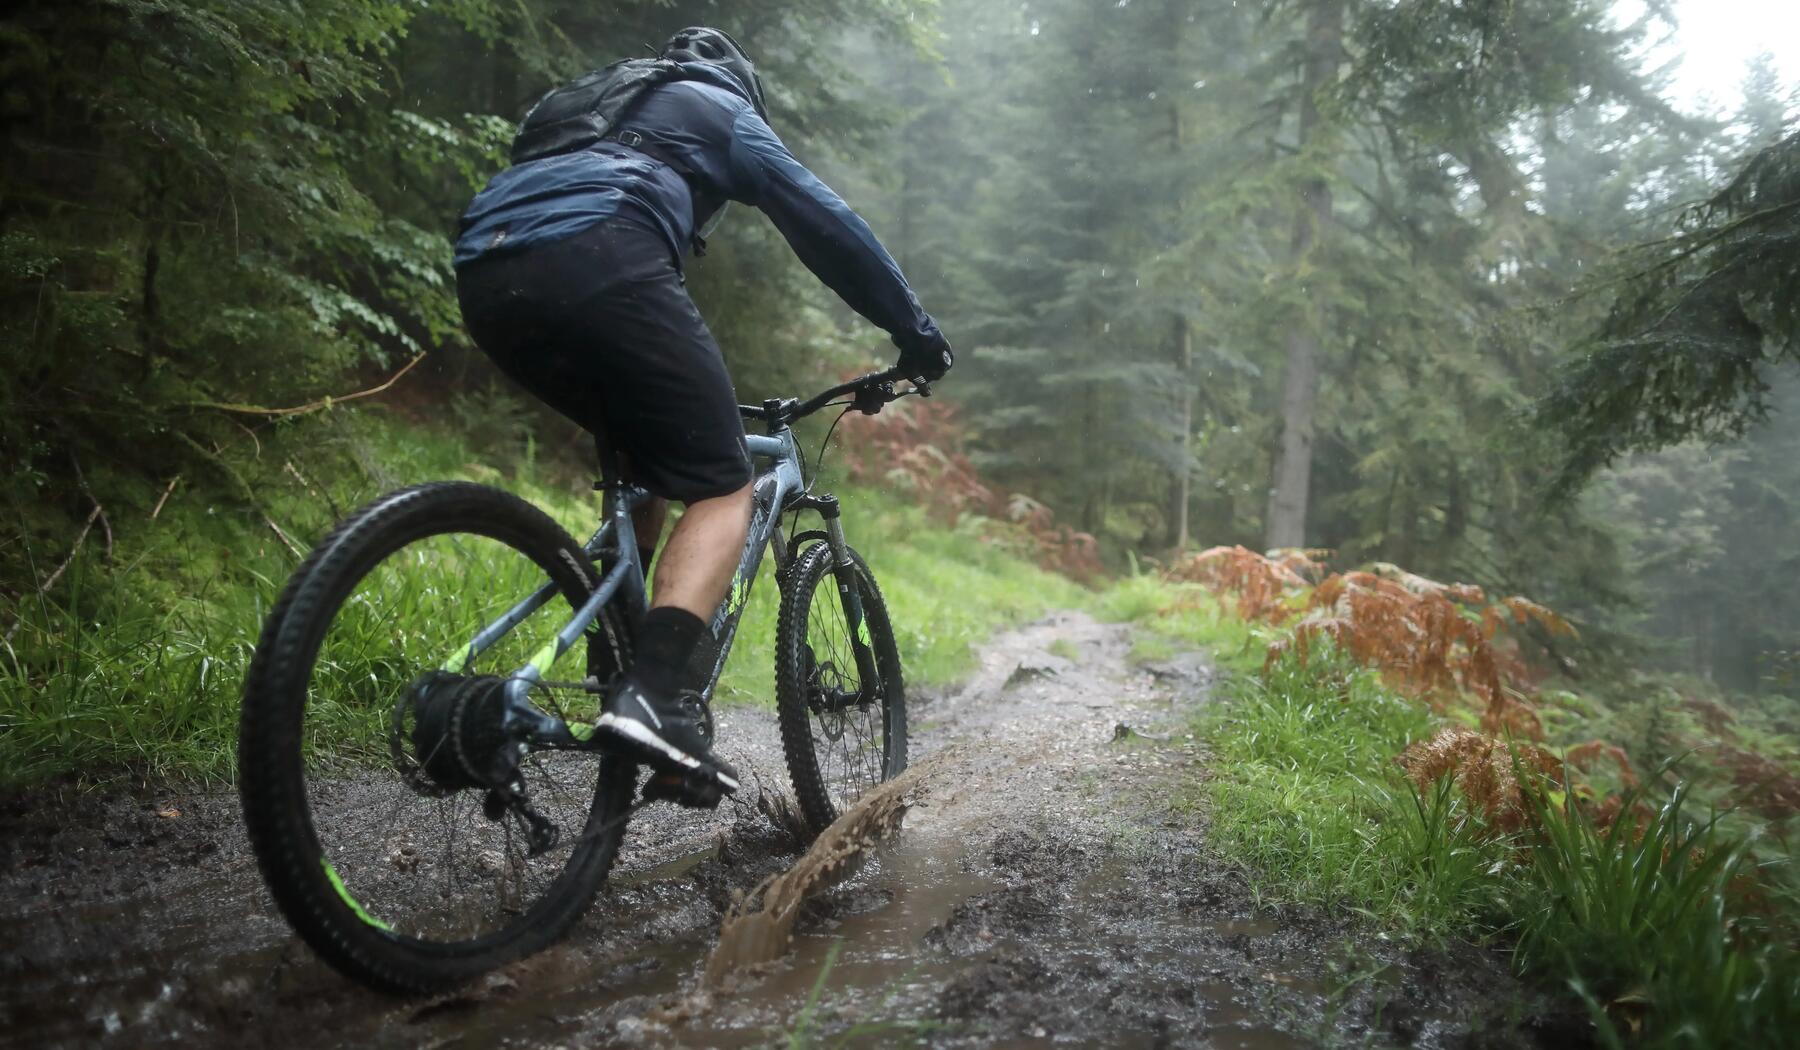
x: 1448, y: 285
x: 1409, y: 281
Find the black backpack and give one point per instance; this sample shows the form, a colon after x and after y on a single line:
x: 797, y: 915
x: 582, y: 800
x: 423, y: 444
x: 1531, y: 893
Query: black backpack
x: 584, y: 112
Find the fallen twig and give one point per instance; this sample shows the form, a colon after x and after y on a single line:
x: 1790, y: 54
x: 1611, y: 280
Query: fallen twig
x: 154, y: 511
x: 81, y: 538
x: 105, y: 525
x: 314, y: 490
x: 280, y: 535
x: 243, y: 487
x: 311, y: 406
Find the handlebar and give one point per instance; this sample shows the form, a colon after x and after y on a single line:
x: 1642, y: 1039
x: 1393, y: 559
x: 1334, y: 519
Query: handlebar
x: 871, y: 392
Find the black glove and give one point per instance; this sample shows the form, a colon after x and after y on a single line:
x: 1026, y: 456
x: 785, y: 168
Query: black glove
x: 928, y: 359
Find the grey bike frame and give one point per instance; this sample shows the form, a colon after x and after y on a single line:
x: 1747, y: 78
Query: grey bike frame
x: 779, y: 487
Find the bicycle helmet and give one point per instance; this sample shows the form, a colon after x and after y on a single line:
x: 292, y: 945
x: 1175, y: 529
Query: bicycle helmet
x: 716, y: 47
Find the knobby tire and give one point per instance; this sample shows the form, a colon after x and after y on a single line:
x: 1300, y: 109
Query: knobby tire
x: 810, y: 571
x: 273, y: 775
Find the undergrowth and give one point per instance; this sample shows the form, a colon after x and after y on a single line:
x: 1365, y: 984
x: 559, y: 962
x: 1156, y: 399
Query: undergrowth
x: 132, y: 662
x: 1653, y: 921
x: 1302, y: 797
x: 1657, y: 891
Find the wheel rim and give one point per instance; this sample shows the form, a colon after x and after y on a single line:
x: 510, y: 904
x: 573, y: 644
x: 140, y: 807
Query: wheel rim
x: 408, y: 852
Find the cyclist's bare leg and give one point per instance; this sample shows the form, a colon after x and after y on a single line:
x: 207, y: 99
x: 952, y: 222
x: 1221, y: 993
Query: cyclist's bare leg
x: 643, y: 711
x: 702, y: 554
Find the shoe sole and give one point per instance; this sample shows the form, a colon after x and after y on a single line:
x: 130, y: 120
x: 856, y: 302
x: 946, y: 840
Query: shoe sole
x: 659, y: 752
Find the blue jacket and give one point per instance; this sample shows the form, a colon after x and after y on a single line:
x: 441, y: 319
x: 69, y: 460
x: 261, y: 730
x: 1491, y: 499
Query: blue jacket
x: 707, y: 125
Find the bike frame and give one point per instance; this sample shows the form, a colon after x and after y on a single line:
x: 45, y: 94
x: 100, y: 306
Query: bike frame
x: 779, y: 488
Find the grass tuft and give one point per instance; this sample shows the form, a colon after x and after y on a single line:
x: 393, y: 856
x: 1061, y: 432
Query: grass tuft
x: 1305, y: 796
x: 1647, y: 918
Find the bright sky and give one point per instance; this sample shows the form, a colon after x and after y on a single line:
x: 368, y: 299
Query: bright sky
x: 1718, y: 38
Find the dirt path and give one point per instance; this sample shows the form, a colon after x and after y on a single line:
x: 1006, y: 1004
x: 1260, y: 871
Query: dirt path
x: 1046, y: 893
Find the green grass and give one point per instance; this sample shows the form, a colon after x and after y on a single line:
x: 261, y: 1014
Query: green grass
x: 1305, y: 795
x: 1173, y: 617
x: 1302, y: 790
x: 1667, y: 929
x: 1649, y: 923
x: 135, y: 668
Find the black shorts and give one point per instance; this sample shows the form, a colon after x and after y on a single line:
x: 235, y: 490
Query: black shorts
x: 600, y: 326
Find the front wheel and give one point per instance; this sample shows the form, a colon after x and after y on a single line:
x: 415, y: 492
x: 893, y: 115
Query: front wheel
x: 842, y: 735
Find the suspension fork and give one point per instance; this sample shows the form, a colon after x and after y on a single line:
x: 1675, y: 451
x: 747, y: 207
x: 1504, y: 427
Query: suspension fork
x: 849, y: 595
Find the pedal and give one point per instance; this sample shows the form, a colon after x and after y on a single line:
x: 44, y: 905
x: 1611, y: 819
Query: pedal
x: 695, y: 791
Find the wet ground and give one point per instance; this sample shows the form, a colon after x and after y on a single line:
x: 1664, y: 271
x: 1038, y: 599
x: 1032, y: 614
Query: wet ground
x: 1044, y: 893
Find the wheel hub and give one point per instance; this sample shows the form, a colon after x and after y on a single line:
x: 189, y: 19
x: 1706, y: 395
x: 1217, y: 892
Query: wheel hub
x: 448, y: 734
x: 825, y: 690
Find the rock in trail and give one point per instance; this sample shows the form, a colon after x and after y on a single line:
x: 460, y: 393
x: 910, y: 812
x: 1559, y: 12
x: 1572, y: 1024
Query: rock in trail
x: 1044, y: 893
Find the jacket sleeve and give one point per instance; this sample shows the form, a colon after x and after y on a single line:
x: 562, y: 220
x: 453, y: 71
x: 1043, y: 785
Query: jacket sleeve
x: 833, y: 241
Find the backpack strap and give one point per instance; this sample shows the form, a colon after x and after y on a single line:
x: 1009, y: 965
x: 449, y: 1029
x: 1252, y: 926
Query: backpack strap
x: 632, y: 140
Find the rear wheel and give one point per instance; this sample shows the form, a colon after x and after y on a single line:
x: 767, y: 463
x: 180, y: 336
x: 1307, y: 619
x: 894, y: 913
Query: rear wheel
x: 369, y: 748
x: 842, y: 736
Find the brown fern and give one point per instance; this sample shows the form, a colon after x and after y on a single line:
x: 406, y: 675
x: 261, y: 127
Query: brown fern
x: 1764, y: 784
x: 1484, y: 768
x: 1583, y: 757
x: 1260, y: 586
x: 1435, y: 641
x: 1713, y: 715
x: 920, y: 447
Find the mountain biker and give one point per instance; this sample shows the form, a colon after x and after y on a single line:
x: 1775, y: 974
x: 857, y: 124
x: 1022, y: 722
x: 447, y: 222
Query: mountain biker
x: 569, y: 271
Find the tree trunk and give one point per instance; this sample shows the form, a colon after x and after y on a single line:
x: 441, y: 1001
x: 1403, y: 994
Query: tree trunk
x: 1300, y: 385
x: 1184, y: 468
x: 1182, y: 490
x: 1094, y: 468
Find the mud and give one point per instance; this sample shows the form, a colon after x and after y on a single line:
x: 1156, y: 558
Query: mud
x: 1043, y: 893
x: 759, y: 927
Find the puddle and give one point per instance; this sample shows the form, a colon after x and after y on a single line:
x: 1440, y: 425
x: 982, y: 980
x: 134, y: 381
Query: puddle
x: 896, y: 962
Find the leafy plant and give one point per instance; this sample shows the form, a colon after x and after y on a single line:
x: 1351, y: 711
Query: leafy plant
x: 1647, y: 918
x: 1433, y: 640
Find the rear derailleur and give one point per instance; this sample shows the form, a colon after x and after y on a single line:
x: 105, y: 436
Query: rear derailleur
x: 510, y: 801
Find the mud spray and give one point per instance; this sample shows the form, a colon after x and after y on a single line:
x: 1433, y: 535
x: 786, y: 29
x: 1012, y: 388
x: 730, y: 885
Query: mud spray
x: 759, y: 928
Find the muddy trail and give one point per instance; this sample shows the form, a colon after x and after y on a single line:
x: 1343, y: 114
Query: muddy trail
x: 1043, y: 892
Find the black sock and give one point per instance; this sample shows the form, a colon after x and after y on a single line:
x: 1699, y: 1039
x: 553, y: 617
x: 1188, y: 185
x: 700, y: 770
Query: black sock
x: 664, y: 643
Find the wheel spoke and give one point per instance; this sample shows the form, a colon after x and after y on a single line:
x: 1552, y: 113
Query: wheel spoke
x: 436, y: 868
x: 847, y: 727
